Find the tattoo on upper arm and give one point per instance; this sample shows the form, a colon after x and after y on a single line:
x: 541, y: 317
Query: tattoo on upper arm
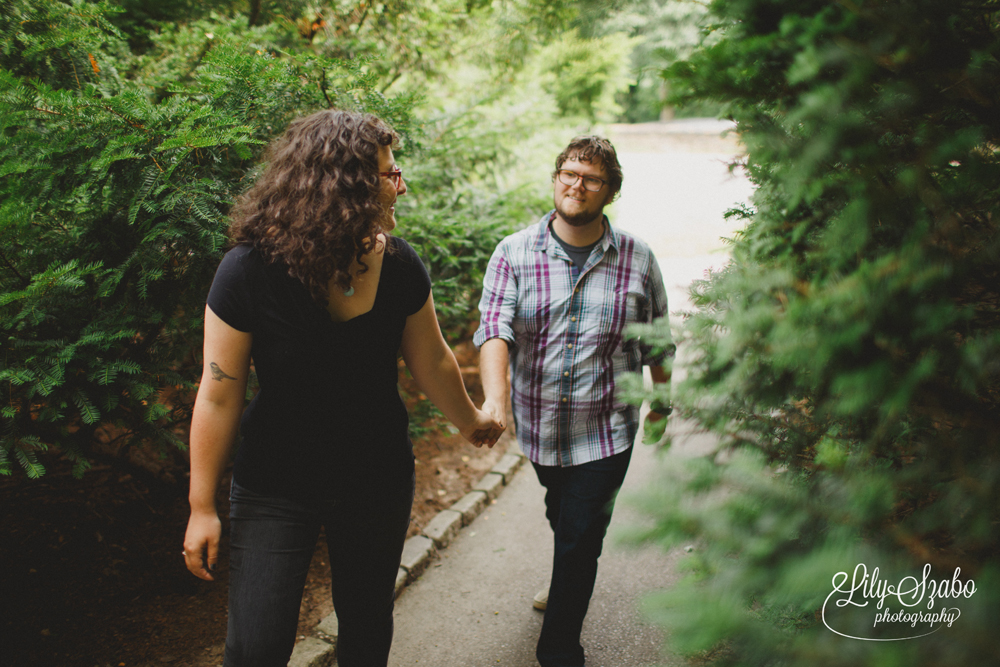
x: 219, y: 374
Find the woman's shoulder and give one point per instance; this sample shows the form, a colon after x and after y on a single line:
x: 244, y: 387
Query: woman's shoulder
x: 400, y: 252
x: 231, y: 296
x: 407, y: 272
x: 399, y: 247
x: 251, y: 261
x: 244, y: 267
x: 242, y: 255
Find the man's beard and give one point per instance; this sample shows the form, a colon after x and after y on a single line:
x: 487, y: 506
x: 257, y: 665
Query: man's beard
x: 579, y: 219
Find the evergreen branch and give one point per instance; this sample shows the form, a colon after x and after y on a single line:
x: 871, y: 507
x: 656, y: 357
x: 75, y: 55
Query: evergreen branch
x: 35, y: 223
x: 111, y: 111
x: 322, y: 87
x: 399, y: 73
x: 29, y: 461
x: 364, y: 15
x: 100, y: 106
x: 24, y: 281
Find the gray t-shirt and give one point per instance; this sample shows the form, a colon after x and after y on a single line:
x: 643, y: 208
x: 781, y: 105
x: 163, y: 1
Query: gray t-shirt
x: 579, y: 254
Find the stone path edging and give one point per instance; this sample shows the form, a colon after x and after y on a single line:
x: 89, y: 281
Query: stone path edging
x: 319, y: 649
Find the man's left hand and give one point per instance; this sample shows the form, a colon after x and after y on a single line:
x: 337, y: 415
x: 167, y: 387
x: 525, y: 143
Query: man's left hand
x: 654, y: 428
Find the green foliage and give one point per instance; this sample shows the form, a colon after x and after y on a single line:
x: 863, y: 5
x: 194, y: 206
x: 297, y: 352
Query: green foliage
x: 585, y: 75
x: 848, y: 356
x: 112, y: 219
x: 405, y: 43
x: 62, y: 58
x: 662, y: 32
x: 127, y: 129
x: 463, y: 201
x: 140, y: 20
x: 126, y: 135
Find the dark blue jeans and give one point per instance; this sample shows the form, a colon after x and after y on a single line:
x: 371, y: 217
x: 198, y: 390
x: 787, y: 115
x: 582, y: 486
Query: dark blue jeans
x: 578, y: 504
x: 271, y: 543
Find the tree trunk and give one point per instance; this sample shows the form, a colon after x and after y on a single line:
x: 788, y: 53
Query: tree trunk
x: 254, y: 12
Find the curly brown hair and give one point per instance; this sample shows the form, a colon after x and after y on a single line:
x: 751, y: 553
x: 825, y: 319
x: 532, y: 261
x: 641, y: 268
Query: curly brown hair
x: 596, y: 150
x: 315, y: 208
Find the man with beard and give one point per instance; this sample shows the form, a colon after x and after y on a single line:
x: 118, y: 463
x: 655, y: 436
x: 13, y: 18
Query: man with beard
x: 557, y: 298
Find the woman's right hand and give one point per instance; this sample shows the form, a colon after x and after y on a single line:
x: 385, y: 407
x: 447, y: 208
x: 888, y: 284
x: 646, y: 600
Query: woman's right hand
x: 483, y: 430
x: 214, y: 424
x: 201, y: 544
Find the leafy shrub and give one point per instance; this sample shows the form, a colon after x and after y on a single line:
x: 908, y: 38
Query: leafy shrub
x: 113, y: 213
x: 585, y: 75
x: 848, y: 356
x: 460, y: 206
x: 122, y: 154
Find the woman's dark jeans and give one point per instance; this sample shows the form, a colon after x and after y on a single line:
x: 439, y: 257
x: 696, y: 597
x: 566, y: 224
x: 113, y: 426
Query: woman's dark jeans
x: 578, y: 503
x: 271, y: 543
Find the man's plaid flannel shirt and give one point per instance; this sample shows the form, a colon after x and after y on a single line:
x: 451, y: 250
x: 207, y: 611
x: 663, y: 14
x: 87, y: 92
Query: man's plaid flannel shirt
x: 567, y: 339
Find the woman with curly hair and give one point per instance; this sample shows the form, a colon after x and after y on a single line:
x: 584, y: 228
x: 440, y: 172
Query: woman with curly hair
x: 321, y: 298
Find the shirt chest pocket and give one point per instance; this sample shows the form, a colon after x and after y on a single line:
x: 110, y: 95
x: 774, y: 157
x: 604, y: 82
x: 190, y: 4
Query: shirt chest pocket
x: 602, y: 322
x: 636, y: 306
x: 630, y: 307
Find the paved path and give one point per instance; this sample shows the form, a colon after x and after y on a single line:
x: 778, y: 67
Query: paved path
x: 472, y: 607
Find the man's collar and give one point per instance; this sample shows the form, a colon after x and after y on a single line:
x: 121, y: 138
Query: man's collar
x: 544, y: 238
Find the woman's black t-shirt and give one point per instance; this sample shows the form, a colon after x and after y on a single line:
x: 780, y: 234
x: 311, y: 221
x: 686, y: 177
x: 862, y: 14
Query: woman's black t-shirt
x: 328, y: 417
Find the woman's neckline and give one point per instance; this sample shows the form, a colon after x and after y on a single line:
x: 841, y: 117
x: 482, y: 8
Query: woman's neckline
x: 365, y: 292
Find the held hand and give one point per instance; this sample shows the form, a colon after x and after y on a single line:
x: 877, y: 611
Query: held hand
x: 201, y: 544
x: 483, y: 430
x: 497, y: 410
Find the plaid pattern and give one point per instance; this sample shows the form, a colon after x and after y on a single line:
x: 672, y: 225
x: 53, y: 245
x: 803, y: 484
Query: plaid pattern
x: 567, y: 337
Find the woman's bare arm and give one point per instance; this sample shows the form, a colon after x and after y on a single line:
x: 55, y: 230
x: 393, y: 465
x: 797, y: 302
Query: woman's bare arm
x: 214, y: 424
x: 433, y: 366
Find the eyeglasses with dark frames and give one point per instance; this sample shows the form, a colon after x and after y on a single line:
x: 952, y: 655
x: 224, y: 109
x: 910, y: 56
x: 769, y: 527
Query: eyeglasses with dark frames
x: 396, y: 175
x: 590, y: 183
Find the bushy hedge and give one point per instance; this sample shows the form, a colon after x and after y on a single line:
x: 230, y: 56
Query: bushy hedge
x: 113, y: 207
x: 117, y: 171
x: 849, y: 356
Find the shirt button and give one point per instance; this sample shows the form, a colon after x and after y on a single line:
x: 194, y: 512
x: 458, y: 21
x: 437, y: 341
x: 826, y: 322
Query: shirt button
x: 573, y: 319
x: 569, y: 346
x: 566, y: 374
x: 564, y: 399
x: 576, y: 291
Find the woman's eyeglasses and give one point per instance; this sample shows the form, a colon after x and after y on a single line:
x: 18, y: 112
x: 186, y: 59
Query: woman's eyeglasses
x: 590, y: 183
x: 396, y: 176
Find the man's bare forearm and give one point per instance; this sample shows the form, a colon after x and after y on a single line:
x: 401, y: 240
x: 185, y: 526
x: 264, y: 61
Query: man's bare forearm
x: 494, y: 359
